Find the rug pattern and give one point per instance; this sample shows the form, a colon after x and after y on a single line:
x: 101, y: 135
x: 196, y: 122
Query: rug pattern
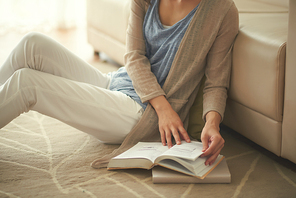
x: 42, y: 157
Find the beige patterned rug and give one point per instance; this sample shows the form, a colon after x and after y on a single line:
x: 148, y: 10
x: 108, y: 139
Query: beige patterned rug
x: 42, y: 157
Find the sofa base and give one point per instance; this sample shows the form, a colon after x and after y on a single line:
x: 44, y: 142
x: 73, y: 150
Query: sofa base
x: 254, y: 126
x: 102, y: 42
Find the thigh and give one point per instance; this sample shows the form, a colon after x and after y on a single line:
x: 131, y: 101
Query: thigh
x: 105, y: 114
x: 40, y: 52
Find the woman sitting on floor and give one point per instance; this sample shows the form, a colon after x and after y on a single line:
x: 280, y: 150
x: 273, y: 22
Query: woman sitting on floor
x: 171, y: 45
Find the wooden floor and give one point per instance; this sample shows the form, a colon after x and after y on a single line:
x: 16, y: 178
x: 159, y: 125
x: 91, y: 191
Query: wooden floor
x: 73, y: 39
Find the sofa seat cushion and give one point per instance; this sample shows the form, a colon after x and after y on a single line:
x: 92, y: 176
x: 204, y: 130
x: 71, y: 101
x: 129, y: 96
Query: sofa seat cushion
x: 259, y: 52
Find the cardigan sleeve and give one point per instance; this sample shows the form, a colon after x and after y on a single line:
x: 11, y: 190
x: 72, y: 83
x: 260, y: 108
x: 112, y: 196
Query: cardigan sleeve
x: 218, y: 66
x: 136, y: 63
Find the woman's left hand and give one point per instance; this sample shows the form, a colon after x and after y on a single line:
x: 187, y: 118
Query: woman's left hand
x: 211, y: 138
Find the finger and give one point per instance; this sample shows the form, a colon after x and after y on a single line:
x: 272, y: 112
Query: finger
x: 168, y: 136
x: 176, y: 136
x: 213, y: 149
x: 216, y: 144
x: 162, y: 136
x: 218, y: 148
x: 181, y: 136
x: 205, y: 143
x: 184, y: 134
x: 212, y: 159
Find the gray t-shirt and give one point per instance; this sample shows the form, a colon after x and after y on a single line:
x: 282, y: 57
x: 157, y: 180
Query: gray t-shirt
x: 161, y: 47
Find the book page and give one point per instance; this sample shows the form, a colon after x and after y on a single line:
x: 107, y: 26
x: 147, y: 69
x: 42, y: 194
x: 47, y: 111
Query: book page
x: 200, y: 171
x: 190, y: 151
x: 147, y: 150
x: 207, y: 169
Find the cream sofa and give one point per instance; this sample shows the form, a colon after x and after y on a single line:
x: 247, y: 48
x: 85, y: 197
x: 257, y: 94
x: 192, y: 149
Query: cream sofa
x: 107, y: 21
x: 262, y: 97
x: 258, y: 106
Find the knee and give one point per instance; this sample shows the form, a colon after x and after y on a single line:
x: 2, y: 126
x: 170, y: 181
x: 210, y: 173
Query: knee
x: 21, y: 78
x: 32, y: 40
x: 33, y: 37
x: 21, y: 85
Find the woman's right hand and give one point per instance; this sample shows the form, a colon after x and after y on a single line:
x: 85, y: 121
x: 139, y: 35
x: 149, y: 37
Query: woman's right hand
x: 169, y: 122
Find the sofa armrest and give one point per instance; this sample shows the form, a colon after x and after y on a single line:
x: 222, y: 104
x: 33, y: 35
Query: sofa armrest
x: 107, y: 21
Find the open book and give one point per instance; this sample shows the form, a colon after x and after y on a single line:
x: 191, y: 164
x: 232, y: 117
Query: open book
x: 184, y: 158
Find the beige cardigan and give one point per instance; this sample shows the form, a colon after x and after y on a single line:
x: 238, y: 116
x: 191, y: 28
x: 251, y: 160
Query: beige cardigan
x: 204, y: 50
